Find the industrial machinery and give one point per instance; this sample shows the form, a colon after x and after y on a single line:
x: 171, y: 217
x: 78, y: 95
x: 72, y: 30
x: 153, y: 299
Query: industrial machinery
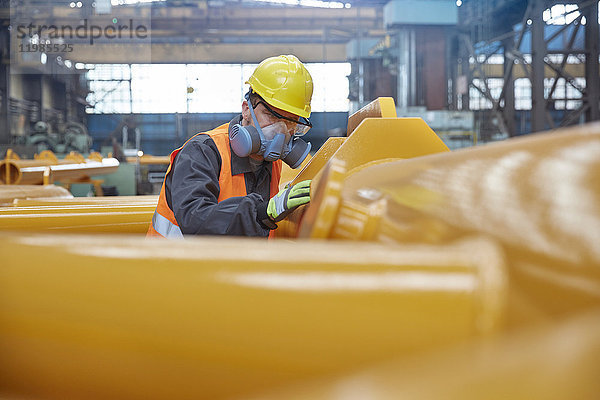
x: 71, y: 136
x: 415, y: 272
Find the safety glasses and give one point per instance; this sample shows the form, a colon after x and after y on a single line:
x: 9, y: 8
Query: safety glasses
x: 297, y: 127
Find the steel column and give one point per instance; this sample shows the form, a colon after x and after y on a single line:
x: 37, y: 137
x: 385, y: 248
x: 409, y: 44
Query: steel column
x: 4, y: 89
x: 538, y: 52
x: 592, y: 78
x: 465, y: 71
x: 509, y: 86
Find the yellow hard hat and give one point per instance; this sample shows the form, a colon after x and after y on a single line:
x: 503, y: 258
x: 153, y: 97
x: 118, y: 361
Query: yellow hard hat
x: 285, y: 83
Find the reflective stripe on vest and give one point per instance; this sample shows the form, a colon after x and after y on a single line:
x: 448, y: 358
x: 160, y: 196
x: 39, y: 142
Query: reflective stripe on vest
x: 165, y: 227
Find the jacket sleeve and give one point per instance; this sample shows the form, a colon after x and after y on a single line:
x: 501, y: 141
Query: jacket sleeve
x: 194, y: 190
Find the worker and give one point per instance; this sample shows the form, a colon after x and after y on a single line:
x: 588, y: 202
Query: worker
x: 226, y: 181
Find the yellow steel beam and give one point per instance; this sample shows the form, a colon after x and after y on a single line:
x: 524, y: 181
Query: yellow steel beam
x: 51, y: 201
x: 287, y: 173
x: 319, y: 160
x: 208, y: 318
x: 377, y: 135
x: 8, y: 193
x: 91, y: 218
x: 150, y: 159
x: 77, y: 208
x: 28, y: 172
x: 554, y: 362
x: 380, y: 138
x: 537, y: 196
x: 381, y: 107
x: 383, y: 138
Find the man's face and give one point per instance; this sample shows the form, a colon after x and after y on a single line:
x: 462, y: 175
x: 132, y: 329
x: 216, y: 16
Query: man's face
x: 266, y: 118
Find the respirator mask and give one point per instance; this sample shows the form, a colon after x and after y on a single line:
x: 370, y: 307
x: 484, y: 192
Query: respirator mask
x: 269, y: 142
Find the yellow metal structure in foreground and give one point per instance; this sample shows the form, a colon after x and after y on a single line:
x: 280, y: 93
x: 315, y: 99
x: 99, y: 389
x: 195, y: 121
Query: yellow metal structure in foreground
x: 537, y: 197
x: 287, y: 173
x: 382, y: 107
x: 373, y: 140
x: 472, y: 274
x: 554, y: 362
x: 127, y: 318
x: 317, y: 162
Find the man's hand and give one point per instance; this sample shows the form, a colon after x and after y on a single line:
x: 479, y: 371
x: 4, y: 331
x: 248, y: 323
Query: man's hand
x: 287, y: 200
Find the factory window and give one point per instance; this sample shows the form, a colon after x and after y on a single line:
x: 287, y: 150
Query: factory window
x: 477, y: 100
x: 491, y: 59
x: 522, y: 94
x: 198, y: 88
x: 330, y: 86
x: 561, y: 14
x: 158, y: 88
x: 109, y: 88
x: 566, y: 96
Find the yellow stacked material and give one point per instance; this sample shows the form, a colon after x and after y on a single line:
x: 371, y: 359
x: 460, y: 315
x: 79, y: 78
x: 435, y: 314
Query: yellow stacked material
x: 102, y: 317
x: 9, y: 193
x: 115, y: 200
x: 96, y: 218
x: 31, y: 172
x: 472, y: 274
x: 537, y: 197
x: 148, y: 159
x: 556, y: 362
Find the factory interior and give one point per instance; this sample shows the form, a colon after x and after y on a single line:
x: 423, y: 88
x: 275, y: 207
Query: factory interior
x: 433, y: 208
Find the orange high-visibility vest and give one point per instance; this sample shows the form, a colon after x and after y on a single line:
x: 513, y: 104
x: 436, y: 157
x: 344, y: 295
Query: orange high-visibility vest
x: 164, y: 223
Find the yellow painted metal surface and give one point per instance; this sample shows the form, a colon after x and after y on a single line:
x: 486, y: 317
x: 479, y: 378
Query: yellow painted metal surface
x: 319, y: 160
x: 80, y: 218
x: 288, y: 173
x: 77, y: 215
x: 11, y: 155
x: 51, y: 201
x: 317, y: 221
x: 538, y: 197
x: 382, y: 107
x: 325, y: 193
x: 79, y: 222
x: 148, y: 159
x: 381, y: 138
x: 373, y: 141
x: 99, y: 317
x: 76, y: 208
x: 556, y: 362
x: 28, y: 172
x: 8, y: 193
x: 420, y: 250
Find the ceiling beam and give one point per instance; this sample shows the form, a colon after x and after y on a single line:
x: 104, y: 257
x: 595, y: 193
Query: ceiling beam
x: 225, y: 53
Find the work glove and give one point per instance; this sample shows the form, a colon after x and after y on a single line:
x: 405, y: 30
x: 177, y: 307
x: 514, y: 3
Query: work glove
x: 288, y: 199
